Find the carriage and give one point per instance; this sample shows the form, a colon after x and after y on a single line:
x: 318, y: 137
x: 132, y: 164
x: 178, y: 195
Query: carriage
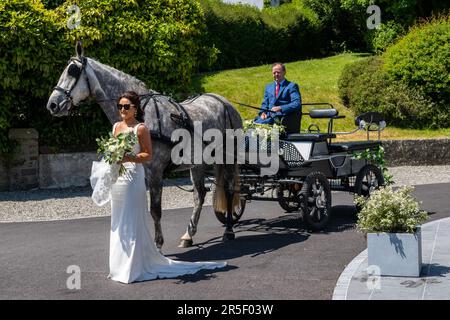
x: 311, y: 166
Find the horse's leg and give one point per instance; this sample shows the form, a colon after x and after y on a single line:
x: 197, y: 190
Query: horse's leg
x: 198, y: 182
x: 230, y: 193
x: 155, y: 183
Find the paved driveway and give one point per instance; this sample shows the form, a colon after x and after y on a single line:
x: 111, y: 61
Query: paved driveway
x: 273, y: 257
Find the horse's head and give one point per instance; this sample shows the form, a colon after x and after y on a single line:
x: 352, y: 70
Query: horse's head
x: 73, y: 86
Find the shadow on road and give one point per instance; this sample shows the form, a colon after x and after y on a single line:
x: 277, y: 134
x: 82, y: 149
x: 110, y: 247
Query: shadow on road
x: 271, y: 235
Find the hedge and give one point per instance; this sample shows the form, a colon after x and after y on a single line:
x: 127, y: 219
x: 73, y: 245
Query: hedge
x: 246, y: 36
x: 409, y: 83
x: 422, y: 60
x: 159, y: 41
x: 364, y: 86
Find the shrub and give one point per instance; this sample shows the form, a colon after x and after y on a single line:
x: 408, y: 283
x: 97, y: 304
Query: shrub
x: 161, y: 42
x: 401, y: 11
x: 52, y: 4
x: 30, y: 50
x: 364, y: 86
x: 349, y: 77
x: 246, y: 36
x: 385, y: 35
x: 422, y: 60
x: 391, y: 211
x: 343, y: 27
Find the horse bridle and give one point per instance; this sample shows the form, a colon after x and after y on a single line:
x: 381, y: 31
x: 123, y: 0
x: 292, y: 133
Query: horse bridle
x: 74, y: 71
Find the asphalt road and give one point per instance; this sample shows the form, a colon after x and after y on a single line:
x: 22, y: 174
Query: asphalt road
x: 272, y: 257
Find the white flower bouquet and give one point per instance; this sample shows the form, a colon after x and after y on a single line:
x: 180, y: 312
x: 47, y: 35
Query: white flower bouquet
x: 104, y: 173
x: 114, y: 149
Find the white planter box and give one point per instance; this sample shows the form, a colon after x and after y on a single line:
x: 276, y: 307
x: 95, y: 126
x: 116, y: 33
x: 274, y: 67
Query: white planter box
x: 396, y: 254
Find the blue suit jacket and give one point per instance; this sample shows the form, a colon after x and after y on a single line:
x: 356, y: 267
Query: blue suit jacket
x: 289, y: 99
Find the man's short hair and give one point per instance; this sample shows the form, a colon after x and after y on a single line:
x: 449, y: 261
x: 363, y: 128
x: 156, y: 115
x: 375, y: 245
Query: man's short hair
x: 279, y: 64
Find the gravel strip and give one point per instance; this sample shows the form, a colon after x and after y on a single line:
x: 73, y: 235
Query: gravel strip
x: 74, y: 203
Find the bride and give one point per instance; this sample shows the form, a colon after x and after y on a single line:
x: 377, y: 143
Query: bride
x: 133, y: 255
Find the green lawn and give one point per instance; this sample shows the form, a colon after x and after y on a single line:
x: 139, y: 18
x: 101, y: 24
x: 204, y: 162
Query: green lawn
x: 317, y: 79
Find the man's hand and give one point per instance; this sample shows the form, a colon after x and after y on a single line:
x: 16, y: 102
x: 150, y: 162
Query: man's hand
x: 276, y: 109
x: 263, y: 116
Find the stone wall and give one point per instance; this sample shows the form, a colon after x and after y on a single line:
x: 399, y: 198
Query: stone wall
x: 24, y: 168
x: 417, y: 152
x: 30, y: 170
x: 65, y: 169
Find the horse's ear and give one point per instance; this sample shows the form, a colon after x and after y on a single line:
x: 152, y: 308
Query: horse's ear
x: 79, y: 49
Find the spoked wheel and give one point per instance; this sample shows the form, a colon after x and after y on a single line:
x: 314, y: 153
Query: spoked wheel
x: 316, y: 201
x: 237, y: 213
x: 369, y: 179
x: 288, y: 196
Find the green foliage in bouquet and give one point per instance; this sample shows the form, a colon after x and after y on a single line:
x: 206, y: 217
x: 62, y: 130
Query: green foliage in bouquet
x: 113, y: 149
x: 391, y: 211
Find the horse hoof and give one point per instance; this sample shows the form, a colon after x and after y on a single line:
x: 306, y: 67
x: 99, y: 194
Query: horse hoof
x: 185, y: 243
x: 228, y: 236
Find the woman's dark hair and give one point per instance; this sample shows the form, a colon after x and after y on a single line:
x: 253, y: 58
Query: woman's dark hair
x: 134, y: 98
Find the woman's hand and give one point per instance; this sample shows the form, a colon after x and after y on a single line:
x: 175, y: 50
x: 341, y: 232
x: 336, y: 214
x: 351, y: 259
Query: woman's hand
x: 127, y: 159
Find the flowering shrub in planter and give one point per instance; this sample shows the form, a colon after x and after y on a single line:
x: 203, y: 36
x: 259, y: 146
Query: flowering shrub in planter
x: 392, y: 218
x: 389, y: 210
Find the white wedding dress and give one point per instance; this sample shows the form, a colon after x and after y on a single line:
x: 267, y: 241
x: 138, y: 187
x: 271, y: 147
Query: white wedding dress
x: 133, y: 255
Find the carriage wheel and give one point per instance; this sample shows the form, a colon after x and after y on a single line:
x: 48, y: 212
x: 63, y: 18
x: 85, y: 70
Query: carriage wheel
x: 221, y: 216
x: 287, y: 195
x: 316, y: 201
x: 369, y: 179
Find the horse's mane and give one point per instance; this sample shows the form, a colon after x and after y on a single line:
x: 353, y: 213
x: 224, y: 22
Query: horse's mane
x: 103, y: 72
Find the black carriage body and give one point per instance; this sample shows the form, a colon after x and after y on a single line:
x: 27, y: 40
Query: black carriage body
x: 303, y: 154
x: 310, y: 167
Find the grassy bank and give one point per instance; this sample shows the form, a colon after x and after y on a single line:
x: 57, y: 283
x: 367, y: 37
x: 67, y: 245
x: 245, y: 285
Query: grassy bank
x: 318, y: 83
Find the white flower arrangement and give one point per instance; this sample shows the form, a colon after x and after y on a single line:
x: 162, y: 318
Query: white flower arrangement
x: 113, y: 149
x: 391, y: 211
x: 263, y: 131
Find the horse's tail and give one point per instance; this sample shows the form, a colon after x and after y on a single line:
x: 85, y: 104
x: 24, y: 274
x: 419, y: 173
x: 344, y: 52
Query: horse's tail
x: 230, y: 174
x: 227, y: 175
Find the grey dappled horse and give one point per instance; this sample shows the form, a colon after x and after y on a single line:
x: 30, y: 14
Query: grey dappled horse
x: 84, y: 77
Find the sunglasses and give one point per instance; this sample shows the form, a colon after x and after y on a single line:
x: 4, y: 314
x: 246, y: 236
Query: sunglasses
x: 125, y: 106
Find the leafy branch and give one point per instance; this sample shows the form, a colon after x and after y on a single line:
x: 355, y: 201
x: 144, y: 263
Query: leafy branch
x: 376, y: 156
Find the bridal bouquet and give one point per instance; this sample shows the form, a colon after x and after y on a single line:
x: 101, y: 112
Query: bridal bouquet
x: 114, y: 148
x: 104, y: 173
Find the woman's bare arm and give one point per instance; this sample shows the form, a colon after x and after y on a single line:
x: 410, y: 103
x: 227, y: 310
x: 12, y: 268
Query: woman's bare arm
x: 145, y: 143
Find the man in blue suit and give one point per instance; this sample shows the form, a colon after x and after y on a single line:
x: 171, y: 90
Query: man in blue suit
x: 281, y: 97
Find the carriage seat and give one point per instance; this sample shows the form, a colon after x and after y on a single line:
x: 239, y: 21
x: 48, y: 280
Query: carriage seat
x: 316, y: 137
x: 323, y: 113
x: 352, y: 146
